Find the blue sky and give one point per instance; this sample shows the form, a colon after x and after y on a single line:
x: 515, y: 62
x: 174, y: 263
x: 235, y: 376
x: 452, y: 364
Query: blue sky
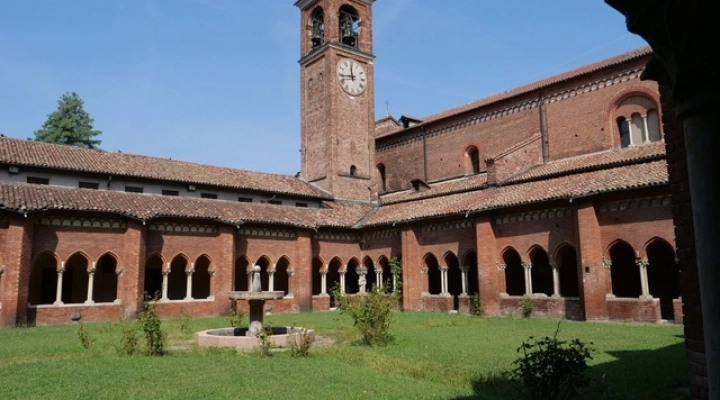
x: 217, y: 81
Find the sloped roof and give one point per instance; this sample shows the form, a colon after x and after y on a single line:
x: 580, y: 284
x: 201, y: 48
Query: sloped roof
x: 24, y: 197
x: 77, y: 159
x: 564, y: 187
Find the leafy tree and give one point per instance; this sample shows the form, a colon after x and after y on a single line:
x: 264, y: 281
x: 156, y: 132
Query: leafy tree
x: 70, y: 124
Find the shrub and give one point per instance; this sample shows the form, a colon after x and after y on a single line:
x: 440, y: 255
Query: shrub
x: 551, y: 369
x: 528, y: 306
x: 236, y: 317
x: 371, y: 313
x: 476, y: 308
x: 263, y: 336
x: 300, y: 342
x: 128, y: 343
x: 85, y: 340
x: 150, y: 324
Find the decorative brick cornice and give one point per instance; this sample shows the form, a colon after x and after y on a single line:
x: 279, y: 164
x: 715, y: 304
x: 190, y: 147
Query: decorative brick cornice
x: 447, y: 226
x: 534, y: 215
x: 388, y: 233
x: 635, y: 204
x: 182, y: 228
x: 338, y: 237
x: 483, y: 116
x: 106, y: 223
x: 267, y: 232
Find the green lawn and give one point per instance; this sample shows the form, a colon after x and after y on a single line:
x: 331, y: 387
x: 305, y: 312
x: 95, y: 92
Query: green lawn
x: 433, y: 356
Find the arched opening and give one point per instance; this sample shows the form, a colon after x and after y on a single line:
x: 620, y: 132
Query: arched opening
x: 282, y: 275
x: 241, y: 281
x: 370, y: 275
x: 153, y: 277
x: 43, y: 280
x: 201, y: 278
x: 514, y: 273
x: 75, y: 280
x: 473, y: 160
x: 454, y: 278
x: 352, y: 277
x: 317, y: 267
x: 264, y: 264
x: 381, y: 178
x: 106, y: 280
x: 353, y: 170
x: 177, y: 279
x: 567, y: 262
x: 473, y: 281
x: 388, y: 283
x: 624, y: 271
x: 333, y: 278
x: 317, y: 28
x: 433, y: 272
x: 349, y: 26
x: 663, y: 276
x: 541, y: 273
x: 653, y: 124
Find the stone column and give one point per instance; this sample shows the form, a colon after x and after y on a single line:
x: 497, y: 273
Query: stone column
x: 91, y: 284
x: 646, y: 134
x: 323, y: 281
x: 342, y: 280
x: 443, y: 279
x: 528, y: 278
x: 556, y: 279
x: 188, y: 282
x: 362, y: 282
x: 58, y: 288
x: 464, y: 279
x: 645, y: 288
x: 378, y: 279
x: 271, y: 278
x: 165, y: 274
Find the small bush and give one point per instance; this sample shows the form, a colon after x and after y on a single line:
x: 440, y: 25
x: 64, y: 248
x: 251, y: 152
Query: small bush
x: 150, y: 324
x: 528, y: 306
x: 476, y: 307
x: 265, y: 343
x: 551, y: 369
x: 371, y: 313
x: 300, y: 342
x: 186, y: 323
x: 85, y: 340
x: 128, y: 343
x: 236, y: 317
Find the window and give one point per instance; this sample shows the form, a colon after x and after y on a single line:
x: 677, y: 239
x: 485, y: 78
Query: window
x: 381, y: 177
x: 208, y: 195
x: 89, y: 185
x: 349, y: 26
x: 38, y: 181
x: 245, y: 199
x: 637, y: 121
x: 166, y: 192
x: 353, y: 170
x: 473, y: 161
x: 317, y: 28
x: 133, y: 189
x: 303, y: 205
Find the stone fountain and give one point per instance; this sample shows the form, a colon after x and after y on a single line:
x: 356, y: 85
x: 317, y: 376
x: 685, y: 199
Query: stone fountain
x: 246, y: 338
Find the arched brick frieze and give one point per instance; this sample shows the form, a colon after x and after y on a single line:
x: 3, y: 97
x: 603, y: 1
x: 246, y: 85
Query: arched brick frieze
x: 431, y: 267
x: 567, y: 270
x: 201, y: 273
x: 105, y: 279
x: 624, y: 270
x: 515, y: 276
x: 663, y: 275
x: 177, y: 277
x: 241, y: 269
x: 43, y: 279
x: 541, y: 273
x: 153, y: 278
x: 74, y: 287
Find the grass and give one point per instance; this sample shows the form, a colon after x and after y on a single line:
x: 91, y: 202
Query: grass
x: 432, y: 356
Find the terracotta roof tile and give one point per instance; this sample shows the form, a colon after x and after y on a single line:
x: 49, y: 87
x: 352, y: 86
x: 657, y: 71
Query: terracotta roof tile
x: 565, y: 187
x: 77, y: 159
x: 20, y: 197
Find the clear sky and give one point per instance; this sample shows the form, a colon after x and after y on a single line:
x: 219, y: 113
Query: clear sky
x: 217, y: 81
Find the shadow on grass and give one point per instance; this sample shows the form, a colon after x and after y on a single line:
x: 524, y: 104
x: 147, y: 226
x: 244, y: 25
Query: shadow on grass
x: 659, y: 374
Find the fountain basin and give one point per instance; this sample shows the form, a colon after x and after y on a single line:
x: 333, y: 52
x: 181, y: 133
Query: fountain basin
x: 237, y: 295
x: 237, y: 337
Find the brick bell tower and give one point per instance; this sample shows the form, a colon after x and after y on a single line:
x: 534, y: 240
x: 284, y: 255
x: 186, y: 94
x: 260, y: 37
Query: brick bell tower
x: 337, y: 96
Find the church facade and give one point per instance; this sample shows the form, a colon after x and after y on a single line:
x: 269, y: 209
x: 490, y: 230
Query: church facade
x: 555, y: 192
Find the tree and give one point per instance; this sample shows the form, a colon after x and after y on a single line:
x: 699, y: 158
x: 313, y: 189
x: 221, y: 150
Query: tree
x: 70, y: 124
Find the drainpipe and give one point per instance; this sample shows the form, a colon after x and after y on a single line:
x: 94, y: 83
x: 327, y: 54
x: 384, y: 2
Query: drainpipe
x: 425, y: 169
x: 543, y: 127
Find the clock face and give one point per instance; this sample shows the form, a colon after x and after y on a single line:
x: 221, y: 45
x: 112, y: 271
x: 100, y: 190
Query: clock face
x: 351, y: 76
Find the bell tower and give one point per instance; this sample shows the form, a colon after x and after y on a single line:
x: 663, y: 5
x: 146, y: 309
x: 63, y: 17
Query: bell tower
x: 337, y: 96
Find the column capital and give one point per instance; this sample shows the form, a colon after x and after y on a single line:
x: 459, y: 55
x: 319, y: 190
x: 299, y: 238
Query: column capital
x: 501, y: 266
x: 642, y: 263
x: 527, y: 265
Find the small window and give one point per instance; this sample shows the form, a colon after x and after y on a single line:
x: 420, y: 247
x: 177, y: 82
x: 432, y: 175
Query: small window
x: 349, y: 26
x: 245, y: 199
x: 88, y: 185
x: 353, y: 170
x: 473, y: 161
x: 166, y: 192
x: 38, y: 181
x: 208, y: 195
x: 276, y: 202
x: 624, y: 127
x: 303, y: 205
x: 133, y: 189
x: 382, y: 177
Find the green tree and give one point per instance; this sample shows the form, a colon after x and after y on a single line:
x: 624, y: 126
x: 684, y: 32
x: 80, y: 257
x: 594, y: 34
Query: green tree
x: 70, y: 124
